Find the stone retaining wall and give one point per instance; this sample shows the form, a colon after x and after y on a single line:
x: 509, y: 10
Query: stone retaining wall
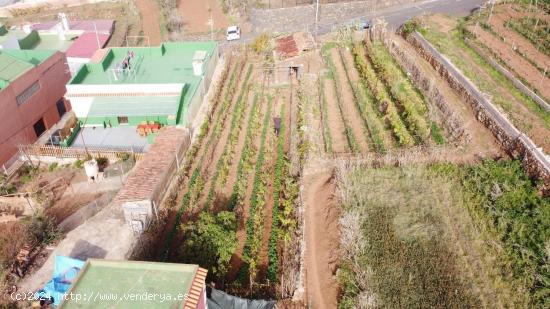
x: 514, y: 142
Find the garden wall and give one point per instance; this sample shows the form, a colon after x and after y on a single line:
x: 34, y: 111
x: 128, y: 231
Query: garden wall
x: 516, y: 143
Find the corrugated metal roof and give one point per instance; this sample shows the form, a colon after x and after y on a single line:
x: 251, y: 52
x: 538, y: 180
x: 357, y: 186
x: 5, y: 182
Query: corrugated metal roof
x: 134, y: 106
x: 87, y: 44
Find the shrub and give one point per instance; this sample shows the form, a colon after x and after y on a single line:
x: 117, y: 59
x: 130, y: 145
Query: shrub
x: 52, y: 167
x: 42, y: 229
x: 261, y: 44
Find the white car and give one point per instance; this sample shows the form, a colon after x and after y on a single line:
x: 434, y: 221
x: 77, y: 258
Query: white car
x: 233, y: 33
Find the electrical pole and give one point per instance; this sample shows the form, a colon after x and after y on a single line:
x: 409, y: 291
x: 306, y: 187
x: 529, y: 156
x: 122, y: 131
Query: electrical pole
x: 316, y: 21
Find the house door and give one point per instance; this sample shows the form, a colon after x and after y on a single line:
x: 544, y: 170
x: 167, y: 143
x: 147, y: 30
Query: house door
x: 39, y: 127
x: 61, y: 110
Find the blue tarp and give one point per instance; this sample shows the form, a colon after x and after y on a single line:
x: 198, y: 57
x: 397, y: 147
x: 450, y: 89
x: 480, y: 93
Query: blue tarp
x: 65, y: 272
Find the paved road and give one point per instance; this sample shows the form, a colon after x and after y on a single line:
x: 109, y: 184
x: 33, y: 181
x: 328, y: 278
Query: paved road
x: 395, y: 16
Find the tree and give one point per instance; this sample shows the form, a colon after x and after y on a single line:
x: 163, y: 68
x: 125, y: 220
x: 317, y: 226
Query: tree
x: 210, y: 241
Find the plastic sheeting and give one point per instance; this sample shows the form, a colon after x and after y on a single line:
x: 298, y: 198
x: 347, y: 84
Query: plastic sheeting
x: 220, y: 300
x: 65, y: 273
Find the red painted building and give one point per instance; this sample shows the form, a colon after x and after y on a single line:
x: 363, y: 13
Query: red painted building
x: 32, y: 85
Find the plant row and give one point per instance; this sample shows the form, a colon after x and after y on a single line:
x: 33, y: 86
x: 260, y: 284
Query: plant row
x: 255, y: 220
x: 382, y: 97
x: 205, y: 126
x: 279, y: 174
x: 196, y: 182
x: 224, y: 162
x: 247, y: 154
x: 537, y: 31
x: 372, y: 124
x: 352, y: 142
x: 401, y: 90
x: 324, y: 115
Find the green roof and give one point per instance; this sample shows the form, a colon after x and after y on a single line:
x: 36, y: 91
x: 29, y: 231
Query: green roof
x: 127, y: 279
x: 165, y: 64
x: 34, y: 40
x: 13, y: 63
x: 134, y: 106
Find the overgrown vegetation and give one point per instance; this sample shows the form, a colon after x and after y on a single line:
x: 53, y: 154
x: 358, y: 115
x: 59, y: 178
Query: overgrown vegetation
x: 443, y: 236
x: 507, y: 205
x: 210, y: 242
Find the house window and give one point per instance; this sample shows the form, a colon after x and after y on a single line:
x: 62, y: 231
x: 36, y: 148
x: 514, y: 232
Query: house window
x: 123, y: 120
x: 27, y: 93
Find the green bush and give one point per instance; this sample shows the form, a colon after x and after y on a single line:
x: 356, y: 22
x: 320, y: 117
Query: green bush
x: 52, y: 167
x: 42, y: 229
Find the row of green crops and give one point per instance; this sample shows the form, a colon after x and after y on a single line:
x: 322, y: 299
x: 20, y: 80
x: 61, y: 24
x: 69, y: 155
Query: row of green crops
x: 254, y: 223
x: 247, y: 155
x: 352, y: 142
x: 224, y: 162
x: 205, y: 127
x: 381, y: 96
x: 401, y: 89
x: 324, y: 116
x: 196, y: 182
x: 372, y: 124
x: 279, y: 174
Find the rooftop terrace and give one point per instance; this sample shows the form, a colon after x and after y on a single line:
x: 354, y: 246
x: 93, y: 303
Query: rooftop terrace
x: 103, y: 277
x: 165, y: 64
x: 34, y: 40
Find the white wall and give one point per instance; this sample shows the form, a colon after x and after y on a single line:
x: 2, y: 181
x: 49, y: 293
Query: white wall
x: 147, y: 89
x: 81, y: 106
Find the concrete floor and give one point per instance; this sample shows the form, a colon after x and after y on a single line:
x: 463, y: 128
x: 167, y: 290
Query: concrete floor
x: 122, y: 137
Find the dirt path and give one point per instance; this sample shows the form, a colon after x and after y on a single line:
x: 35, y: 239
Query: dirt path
x: 335, y: 123
x: 322, y: 240
x: 518, y: 64
x: 196, y: 14
x: 150, y: 16
x: 348, y: 103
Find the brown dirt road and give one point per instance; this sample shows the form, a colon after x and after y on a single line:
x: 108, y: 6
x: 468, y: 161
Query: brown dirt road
x: 196, y: 14
x: 150, y: 15
x: 322, y: 240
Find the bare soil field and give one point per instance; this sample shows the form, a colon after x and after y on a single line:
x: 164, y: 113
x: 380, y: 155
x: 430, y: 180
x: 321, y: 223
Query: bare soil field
x: 128, y: 22
x: 196, y: 14
x: 520, y: 55
x: 334, y: 119
x: 150, y: 15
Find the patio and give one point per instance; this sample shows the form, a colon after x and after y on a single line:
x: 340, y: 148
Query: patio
x: 116, y: 138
